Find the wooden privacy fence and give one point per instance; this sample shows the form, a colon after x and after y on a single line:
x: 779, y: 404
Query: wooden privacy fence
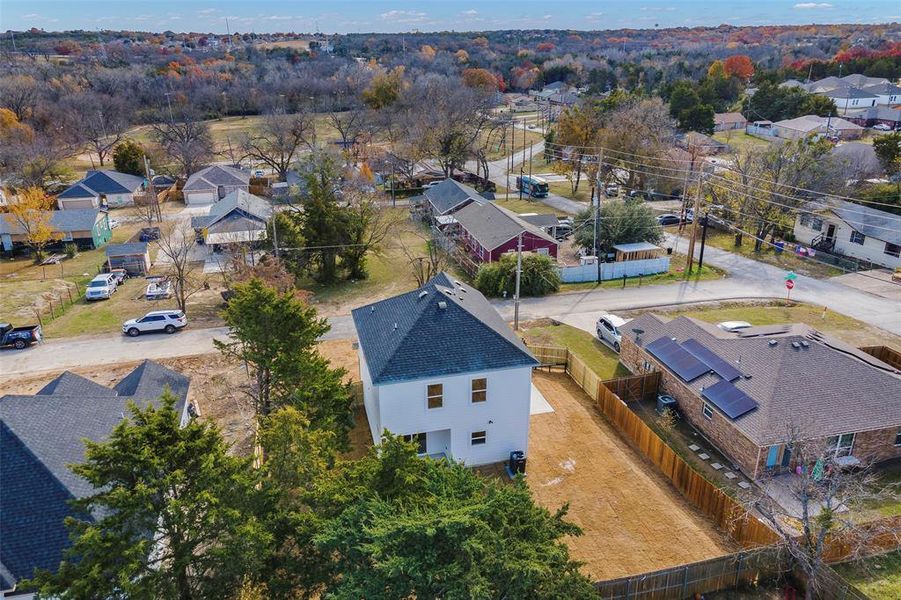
x: 885, y: 354
x: 550, y: 356
x: 639, y: 387
x: 721, y: 573
x: 728, y: 514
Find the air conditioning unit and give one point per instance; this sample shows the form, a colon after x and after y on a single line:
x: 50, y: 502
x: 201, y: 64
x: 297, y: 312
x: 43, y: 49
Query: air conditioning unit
x: 517, y: 462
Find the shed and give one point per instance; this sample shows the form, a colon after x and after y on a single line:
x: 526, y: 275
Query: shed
x: 134, y: 257
x: 637, y: 251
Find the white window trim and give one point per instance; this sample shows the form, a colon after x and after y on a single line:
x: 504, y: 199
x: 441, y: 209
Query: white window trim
x: 428, y: 397
x: 484, y: 438
x: 472, y: 391
x: 705, y: 408
x: 834, y: 451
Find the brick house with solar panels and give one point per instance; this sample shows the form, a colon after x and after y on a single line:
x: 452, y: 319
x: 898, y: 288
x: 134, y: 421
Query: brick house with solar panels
x: 743, y: 391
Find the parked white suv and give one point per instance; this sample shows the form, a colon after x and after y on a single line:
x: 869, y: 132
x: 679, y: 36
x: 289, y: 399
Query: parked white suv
x: 609, y: 330
x: 169, y: 321
x: 101, y: 287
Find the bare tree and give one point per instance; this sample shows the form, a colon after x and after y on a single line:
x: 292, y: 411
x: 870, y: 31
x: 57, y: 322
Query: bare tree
x: 350, y: 124
x: 279, y: 139
x: 98, y: 120
x: 639, y: 134
x: 176, y: 254
x: 426, y: 259
x: 186, y: 141
x: 20, y: 94
x: 819, y: 505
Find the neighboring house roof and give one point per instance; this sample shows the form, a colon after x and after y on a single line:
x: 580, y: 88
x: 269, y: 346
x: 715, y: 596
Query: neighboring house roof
x: 824, y: 85
x: 82, y: 219
x: 492, y: 225
x: 211, y: 178
x: 163, y: 181
x: 541, y: 220
x: 729, y: 117
x: 859, y: 80
x: 883, y: 89
x: 556, y: 86
x: 96, y: 183
x: 129, y: 249
x: 858, y: 156
x: 636, y: 247
x: 879, y: 113
x: 450, y: 194
x: 812, y: 123
x: 40, y: 436
x: 236, y: 204
x: 826, y: 388
x: 443, y: 328
x: 867, y: 220
x: 849, y: 92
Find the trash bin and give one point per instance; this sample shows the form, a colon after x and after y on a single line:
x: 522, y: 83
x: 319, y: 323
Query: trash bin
x: 517, y: 461
x: 780, y: 246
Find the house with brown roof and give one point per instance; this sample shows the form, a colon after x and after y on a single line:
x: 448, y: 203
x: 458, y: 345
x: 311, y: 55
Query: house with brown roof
x: 749, y: 392
x: 729, y: 120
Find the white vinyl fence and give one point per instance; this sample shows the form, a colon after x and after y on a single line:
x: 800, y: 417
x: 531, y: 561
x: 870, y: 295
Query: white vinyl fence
x: 614, y: 270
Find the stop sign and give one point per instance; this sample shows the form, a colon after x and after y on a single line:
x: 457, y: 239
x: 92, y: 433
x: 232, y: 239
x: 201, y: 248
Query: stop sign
x: 789, y: 284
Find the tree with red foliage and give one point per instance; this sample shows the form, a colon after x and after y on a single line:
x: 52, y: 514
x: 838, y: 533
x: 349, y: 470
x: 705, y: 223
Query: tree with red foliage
x: 545, y: 47
x: 739, y: 65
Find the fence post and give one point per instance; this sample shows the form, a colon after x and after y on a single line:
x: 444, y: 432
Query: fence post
x: 684, y: 581
x: 741, y: 555
x: 628, y: 588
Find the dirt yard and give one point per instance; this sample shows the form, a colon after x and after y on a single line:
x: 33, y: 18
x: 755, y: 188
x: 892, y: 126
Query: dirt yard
x: 633, y: 520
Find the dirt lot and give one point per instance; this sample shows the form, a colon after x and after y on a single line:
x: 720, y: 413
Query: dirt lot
x: 218, y: 387
x: 633, y: 520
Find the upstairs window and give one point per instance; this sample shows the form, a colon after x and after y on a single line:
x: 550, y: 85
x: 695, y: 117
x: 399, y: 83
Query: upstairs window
x: 892, y: 249
x: 707, y: 410
x: 480, y: 389
x: 435, y: 395
x: 857, y: 237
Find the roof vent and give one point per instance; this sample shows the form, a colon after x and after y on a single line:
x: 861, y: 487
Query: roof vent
x: 774, y: 343
x: 372, y: 309
x: 442, y: 305
x: 805, y: 344
x: 747, y: 375
x: 395, y: 325
x: 460, y: 283
x: 796, y: 345
x: 423, y: 294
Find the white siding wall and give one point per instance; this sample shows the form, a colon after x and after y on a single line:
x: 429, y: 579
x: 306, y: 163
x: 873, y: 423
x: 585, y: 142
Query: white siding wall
x: 77, y: 203
x: 402, y: 409
x: 194, y: 198
x: 120, y: 199
x: 370, y: 400
x: 873, y: 249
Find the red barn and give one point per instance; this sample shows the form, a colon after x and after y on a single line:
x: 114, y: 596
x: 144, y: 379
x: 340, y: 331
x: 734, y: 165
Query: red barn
x: 488, y: 231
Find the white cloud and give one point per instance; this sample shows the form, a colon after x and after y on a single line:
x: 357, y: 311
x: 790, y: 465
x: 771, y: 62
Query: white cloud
x: 206, y: 11
x: 404, y: 16
x: 469, y: 13
x: 31, y: 16
x: 547, y: 17
x: 810, y: 5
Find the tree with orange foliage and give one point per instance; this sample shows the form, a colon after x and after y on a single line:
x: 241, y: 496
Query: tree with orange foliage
x: 545, y: 47
x: 716, y: 70
x: 739, y: 65
x: 29, y: 214
x: 480, y: 78
x: 427, y: 52
x: 462, y: 56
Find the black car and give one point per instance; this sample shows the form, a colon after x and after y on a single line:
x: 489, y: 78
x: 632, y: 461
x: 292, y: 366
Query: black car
x: 668, y: 220
x: 149, y: 234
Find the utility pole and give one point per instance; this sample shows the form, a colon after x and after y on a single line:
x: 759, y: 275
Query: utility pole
x: 518, y: 272
x: 530, y: 160
x: 694, y: 228
x: 510, y: 161
x: 703, y: 243
x: 521, y: 173
x: 152, y: 190
x: 597, y: 227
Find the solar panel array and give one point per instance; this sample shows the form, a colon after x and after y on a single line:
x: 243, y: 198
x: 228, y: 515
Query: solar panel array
x: 729, y: 399
x: 720, y: 366
x: 677, y: 359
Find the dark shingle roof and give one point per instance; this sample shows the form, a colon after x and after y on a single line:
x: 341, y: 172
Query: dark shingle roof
x: 828, y: 388
x: 439, y: 329
x: 128, y: 249
x: 212, y: 177
x: 81, y: 219
x: 40, y: 436
x: 492, y: 225
x: 451, y: 194
x: 542, y: 220
x: 103, y: 182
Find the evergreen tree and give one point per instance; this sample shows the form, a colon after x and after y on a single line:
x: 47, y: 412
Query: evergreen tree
x: 128, y: 157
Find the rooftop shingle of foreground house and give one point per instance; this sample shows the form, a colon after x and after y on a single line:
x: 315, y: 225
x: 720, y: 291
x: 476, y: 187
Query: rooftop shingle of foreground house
x: 40, y: 436
x: 791, y: 376
x: 441, y: 367
x: 451, y: 195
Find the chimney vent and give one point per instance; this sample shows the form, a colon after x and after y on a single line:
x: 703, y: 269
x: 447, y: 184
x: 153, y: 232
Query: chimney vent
x: 773, y: 343
x: 442, y: 305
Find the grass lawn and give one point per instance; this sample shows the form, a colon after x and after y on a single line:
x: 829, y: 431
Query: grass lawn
x: 770, y: 313
x: 389, y: 271
x: 676, y: 274
x: 878, y: 577
x: 494, y: 150
x: 522, y: 206
x: 563, y: 188
x: 787, y: 260
x: 889, y: 476
x: 598, y: 356
x: 739, y: 140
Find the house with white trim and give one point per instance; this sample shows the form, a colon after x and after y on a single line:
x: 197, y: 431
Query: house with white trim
x: 212, y: 184
x: 848, y: 229
x: 441, y: 368
x: 101, y: 188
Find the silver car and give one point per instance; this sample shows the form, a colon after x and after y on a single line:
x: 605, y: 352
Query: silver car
x: 609, y: 330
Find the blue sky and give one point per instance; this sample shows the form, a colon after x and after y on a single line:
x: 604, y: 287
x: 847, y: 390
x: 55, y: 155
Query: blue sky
x: 343, y: 16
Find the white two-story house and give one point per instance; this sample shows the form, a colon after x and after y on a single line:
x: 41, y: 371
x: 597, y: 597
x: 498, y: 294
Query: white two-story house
x: 854, y: 230
x: 441, y: 368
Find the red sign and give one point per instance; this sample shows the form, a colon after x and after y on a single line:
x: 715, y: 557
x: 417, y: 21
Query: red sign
x: 789, y: 284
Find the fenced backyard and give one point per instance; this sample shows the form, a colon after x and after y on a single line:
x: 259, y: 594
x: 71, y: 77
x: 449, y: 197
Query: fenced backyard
x: 613, y: 270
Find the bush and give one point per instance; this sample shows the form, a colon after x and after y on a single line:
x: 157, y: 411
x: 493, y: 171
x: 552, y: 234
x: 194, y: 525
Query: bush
x: 539, y: 276
x: 71, y: 250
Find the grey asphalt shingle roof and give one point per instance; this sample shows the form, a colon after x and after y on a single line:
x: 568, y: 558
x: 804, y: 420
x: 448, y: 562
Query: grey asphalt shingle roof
x: 40, y: 436
x: 243, y: 209
x: 883, y: 89
x: 492, y: 225
x: 865, y: 219
x: 850, y: 92
x: 211, y: 178
x: 81, y: 219
x: 442, y: 328
x: 827, y: 389
x: 104, y: 182
x: 449, y: 195
x: 542, y: 220
x: 128, y: 249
